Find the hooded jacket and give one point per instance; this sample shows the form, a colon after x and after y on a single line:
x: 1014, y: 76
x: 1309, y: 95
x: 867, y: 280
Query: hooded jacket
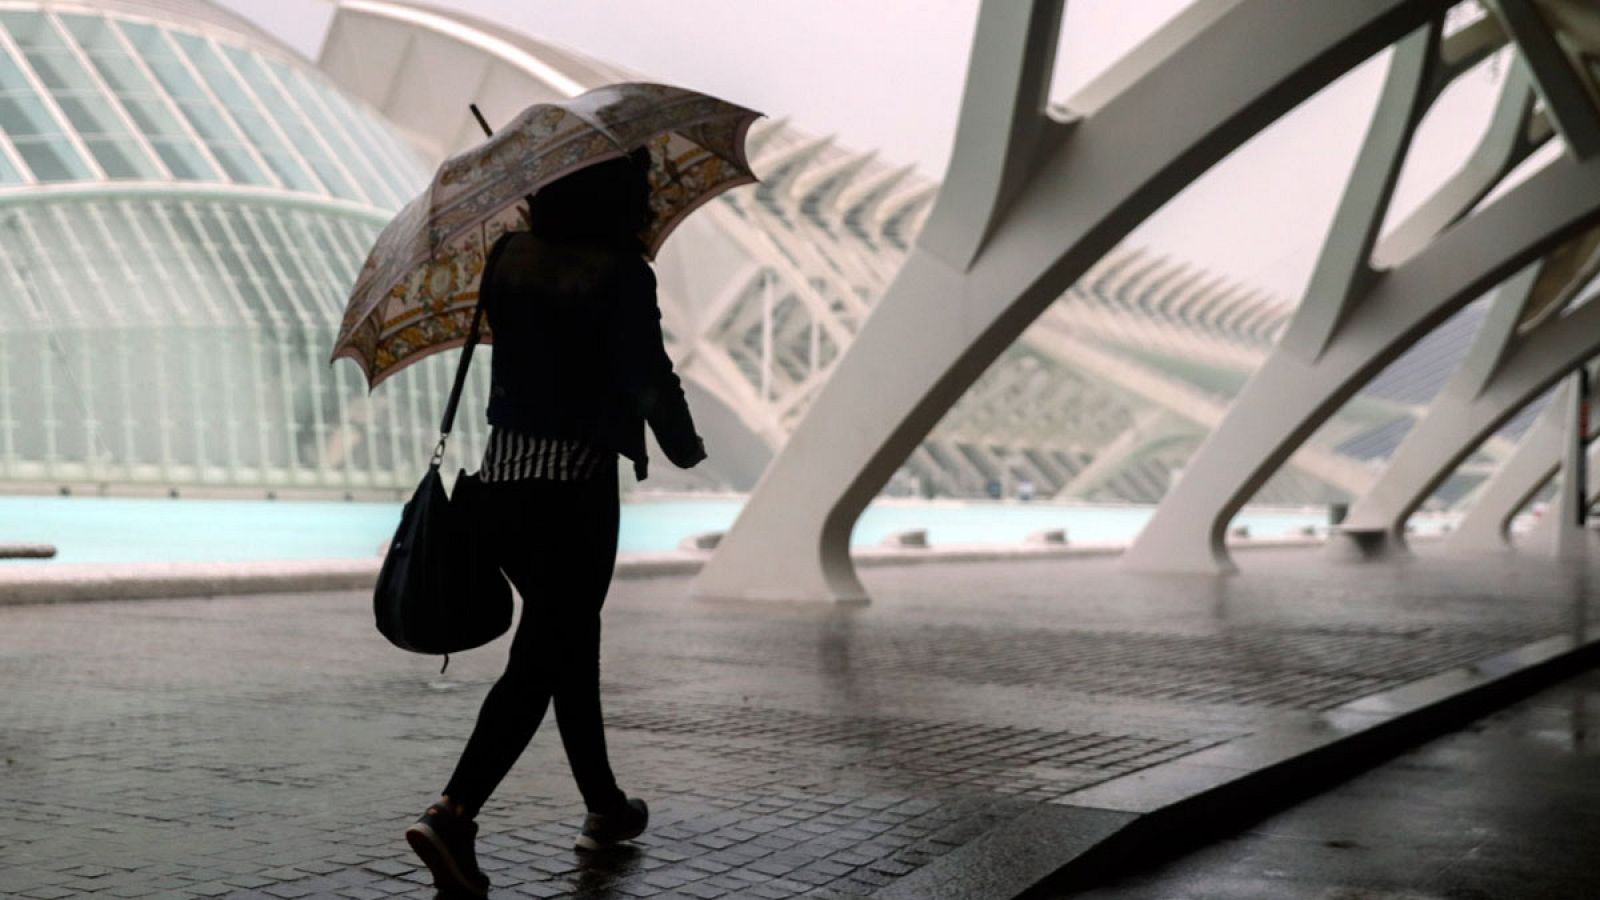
x: 578, y: 349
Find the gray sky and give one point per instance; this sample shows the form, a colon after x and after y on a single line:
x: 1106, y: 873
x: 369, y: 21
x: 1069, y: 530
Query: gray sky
x: 887, y: 75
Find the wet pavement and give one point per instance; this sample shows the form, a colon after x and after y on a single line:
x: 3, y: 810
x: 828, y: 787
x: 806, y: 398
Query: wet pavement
x: 1508, y: 808
x: 275, y: 746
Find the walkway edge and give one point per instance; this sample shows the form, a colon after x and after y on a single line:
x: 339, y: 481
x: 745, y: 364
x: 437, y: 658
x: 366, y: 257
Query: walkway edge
x: 32, y: 583
x: 1095, y: 832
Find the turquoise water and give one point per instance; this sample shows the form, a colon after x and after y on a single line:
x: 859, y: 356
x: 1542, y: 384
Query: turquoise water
x: 113, y: 530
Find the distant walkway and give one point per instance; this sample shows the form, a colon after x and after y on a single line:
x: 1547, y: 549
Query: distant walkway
x: 275, y: 746
x: 1507, y: 809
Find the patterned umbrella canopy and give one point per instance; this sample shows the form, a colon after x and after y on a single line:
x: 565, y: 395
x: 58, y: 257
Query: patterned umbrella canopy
x: 415, y: 295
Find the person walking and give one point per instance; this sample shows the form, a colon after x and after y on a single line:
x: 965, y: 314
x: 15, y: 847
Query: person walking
x: 578, y: 370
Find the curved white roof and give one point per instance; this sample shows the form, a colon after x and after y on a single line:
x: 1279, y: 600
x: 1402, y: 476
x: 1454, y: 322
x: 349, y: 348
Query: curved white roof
x: 415, y: 63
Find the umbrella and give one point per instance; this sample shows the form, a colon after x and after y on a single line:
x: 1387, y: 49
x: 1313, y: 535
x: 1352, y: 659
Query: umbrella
x: 417, y: 291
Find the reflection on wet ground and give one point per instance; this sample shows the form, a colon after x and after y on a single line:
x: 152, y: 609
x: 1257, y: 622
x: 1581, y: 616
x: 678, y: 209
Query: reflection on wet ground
x: 1508, y: 808
x: 276, y: 746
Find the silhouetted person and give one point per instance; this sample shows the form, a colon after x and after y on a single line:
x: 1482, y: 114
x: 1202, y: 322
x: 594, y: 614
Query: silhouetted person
x: 578, y: 369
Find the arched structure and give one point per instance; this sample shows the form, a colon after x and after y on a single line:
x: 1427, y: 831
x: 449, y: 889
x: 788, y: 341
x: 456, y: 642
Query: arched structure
x: 1032, y: 202
x: 1530, y: 338
x: 1368, y: 302
x: 1486, y: 525
x: 1101, y: 398
x: 183, y: 203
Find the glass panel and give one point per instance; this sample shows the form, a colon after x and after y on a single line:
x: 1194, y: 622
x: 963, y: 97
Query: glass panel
x: 174, y: 77
x: 22, y: 115
x: 235, y: 267
x: 403, y: 173
x: 11, y: 77
x: 357, y: 160
x: 207, y: 121
x: 199, y: 109
x: 242, y: 108
x: 121, y: 159
x: 90, y: 115
x: 75, y: 91
x: 140, y: 98
x: 238, y: 164
x: 293, y: 125
x: 51, y: 59
x: 52, y: 159
x: 8, y: 172
x: 184, y: 161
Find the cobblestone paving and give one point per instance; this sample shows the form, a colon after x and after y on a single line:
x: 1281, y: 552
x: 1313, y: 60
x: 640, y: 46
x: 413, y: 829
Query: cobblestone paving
x: 276, y: 746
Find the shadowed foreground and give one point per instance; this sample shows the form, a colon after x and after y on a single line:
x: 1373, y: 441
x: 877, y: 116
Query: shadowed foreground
x: 277, y: 746
x: 1509, y: 808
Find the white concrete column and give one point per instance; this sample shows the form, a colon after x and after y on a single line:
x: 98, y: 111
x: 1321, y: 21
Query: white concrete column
x: 1560, y: 534
x: 1486, y: 526
x: 1029, y: 205
x: 1524, y: 342
x: 1289, y: 397
x: 1354, y: 319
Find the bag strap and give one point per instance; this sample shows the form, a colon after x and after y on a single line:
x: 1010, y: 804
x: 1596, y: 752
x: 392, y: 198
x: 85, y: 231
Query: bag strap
x: 465, y: 362
x: 477, y: 318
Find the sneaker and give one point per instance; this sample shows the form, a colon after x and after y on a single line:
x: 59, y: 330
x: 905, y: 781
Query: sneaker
x: 602, y: 830
x: 443, y: 840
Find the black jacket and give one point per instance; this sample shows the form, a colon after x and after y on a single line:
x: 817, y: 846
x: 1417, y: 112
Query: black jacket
x: 578, y: 349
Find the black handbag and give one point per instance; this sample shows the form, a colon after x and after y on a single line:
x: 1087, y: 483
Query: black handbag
x: 440, y: 589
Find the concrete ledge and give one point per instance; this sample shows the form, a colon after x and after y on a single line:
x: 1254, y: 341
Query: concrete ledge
x: 71, y: 583
x: 913, y: 538
x: 1121, y: 824
x: 50, y: 583
x: 1359, y: 542
x: 706, y: 541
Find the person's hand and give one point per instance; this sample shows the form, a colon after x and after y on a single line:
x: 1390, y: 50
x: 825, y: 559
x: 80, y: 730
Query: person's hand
x: 693, y: 457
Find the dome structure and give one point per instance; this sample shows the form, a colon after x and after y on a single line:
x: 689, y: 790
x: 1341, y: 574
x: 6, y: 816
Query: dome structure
x: 183, y: 205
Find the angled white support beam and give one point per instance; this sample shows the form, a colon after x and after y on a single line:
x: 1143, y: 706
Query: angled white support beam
x: 1344, y: 270
x: 1353, y: 320
x: 1486, y: 527
x: 1513, y: 135
x: 948, y: 314
x: 1502, y: 373
x: 1003, y: 130
x: 1289, y: 398
x: 1426, y: 456
x: 1471, y: 45
x: 1570, y: 102
x: 1563, y: 532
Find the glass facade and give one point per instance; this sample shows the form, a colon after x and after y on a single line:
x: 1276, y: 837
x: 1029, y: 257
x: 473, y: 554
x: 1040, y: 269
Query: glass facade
x: 182, y: 210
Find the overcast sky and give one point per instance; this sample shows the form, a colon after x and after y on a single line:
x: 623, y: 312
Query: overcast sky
x: 887, y: 75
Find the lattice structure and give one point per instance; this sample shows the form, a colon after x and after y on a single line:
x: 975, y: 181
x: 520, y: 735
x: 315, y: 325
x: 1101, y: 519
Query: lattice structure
x: 183, y: 204
x: 1103, y: 398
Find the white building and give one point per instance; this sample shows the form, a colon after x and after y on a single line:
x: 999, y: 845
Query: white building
x: 1103, y: 398
x: 183, y: 202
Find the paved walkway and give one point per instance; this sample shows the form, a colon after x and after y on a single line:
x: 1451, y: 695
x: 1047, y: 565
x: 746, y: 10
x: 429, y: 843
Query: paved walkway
x: 275, y: 746
x: 1509, y: 808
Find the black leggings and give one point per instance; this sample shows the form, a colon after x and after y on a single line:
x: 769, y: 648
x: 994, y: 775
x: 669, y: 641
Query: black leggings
x: 557, y: 542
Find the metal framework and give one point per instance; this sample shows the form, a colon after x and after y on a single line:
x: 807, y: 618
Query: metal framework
x: 183, y: 204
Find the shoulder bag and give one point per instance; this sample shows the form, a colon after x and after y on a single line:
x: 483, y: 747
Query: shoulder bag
x: 440, y: 590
